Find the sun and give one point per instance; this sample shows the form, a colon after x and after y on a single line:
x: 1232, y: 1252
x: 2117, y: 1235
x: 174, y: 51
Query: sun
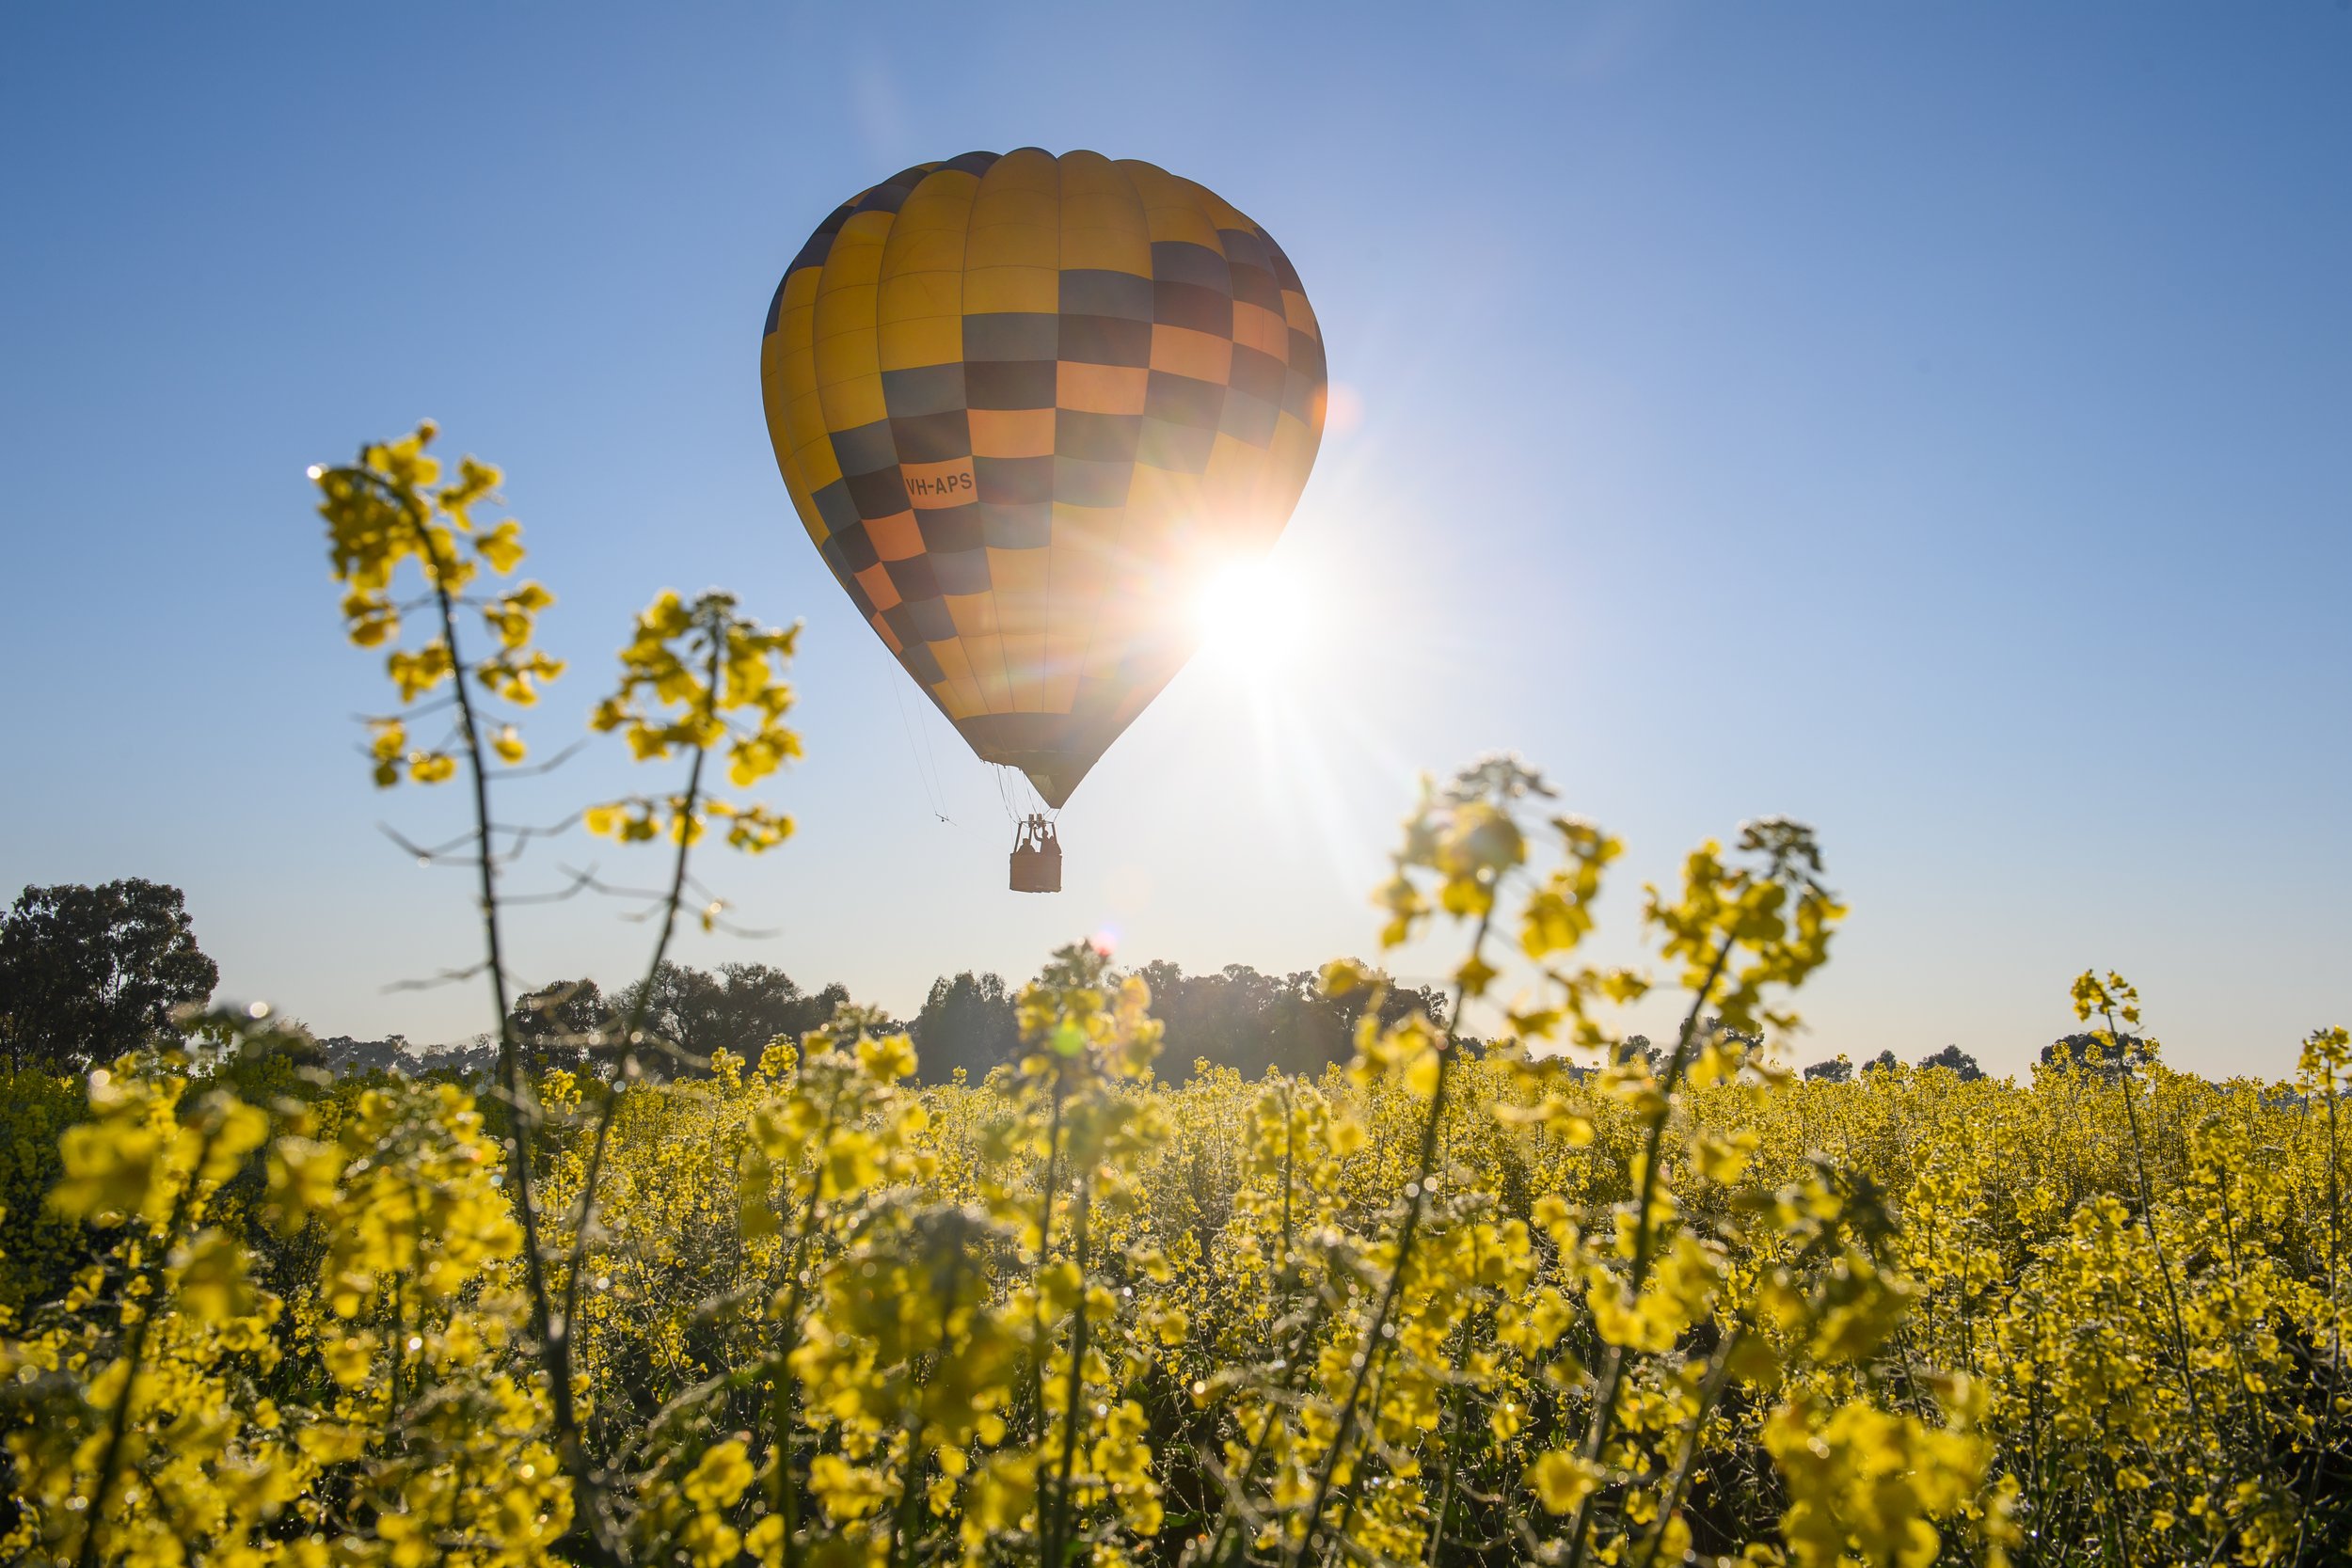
x: 1251, y: 614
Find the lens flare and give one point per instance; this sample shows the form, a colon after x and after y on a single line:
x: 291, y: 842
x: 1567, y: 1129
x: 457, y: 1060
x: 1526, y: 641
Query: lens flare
x: 1250, y: 616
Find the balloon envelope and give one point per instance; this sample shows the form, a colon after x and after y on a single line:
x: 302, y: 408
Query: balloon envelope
x: 1026, y: 405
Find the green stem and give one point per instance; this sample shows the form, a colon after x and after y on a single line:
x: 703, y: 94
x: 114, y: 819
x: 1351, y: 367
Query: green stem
x: 1417, y: 1199
x: 2335, y: 1331
x: 1044, y: 1255
x: 1613, y: 1379
x: 911, y: 1421
x: 1074, y: 1392
x: 2147, y: 1223
x: 1292, y: 1365
x: 584, y: 1210
x: 1711, y: 1392
x: 1283, y: 1262
x: 1448, y: 1444
x: 400, y: 1353
x: 2260, y: 1412
x: 546, y: 1328
x: 86, y: 1556
x: 784, y: 1482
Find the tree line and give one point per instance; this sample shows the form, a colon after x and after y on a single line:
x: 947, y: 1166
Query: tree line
x: 968, y: 1025
x: 89, y: 972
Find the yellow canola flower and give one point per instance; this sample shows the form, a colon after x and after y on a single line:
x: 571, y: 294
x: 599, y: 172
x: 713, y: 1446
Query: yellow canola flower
x: 1561, y: 1481
x: 719, y: 1477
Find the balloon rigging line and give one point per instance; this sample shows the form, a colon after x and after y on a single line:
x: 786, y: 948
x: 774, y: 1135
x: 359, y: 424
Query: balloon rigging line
x: 931, y: 795
x: 925, y: 723
x: 1031, y: 804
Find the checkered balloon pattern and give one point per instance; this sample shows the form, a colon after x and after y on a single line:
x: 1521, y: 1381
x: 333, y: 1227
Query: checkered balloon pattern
x: 1026, y: 405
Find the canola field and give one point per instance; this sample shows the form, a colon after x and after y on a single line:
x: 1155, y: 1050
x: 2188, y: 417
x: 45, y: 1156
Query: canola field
x: 1444, y: 1306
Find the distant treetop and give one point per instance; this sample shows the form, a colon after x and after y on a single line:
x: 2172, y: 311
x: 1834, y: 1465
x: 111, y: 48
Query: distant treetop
x: 89, y: 973
x: 1956, y: 1060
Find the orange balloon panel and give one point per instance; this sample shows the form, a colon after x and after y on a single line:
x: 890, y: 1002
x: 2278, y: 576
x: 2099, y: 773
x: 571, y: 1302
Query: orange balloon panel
x: 1025, y: 405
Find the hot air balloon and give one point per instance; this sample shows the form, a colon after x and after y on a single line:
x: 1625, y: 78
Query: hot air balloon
x: 1026, y: 405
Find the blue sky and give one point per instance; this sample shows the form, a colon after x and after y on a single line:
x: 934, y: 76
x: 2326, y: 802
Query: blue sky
x: 1932, y: 421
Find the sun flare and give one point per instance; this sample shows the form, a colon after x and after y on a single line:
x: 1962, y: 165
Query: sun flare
x: 1251, y: 613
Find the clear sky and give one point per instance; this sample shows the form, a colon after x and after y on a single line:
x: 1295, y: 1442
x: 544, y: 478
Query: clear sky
x: 1934, y: 421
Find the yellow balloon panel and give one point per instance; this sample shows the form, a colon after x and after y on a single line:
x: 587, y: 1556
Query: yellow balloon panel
x: 1025, y: 405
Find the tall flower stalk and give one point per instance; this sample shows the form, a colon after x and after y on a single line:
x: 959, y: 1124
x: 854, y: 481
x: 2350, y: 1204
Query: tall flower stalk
x: 694, y: 678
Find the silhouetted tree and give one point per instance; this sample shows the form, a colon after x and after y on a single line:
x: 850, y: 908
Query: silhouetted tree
x: 1883, y: 1062
x: 1836, y: 1071
x: 740, y: 1009
x: 1639, y: 1045
x: 567, y: 1024
x: 1959, y: 1061
x: 966, y: 1023
x: 1257, y: 1023
x: 266, y: 1066
x: 346, y: 1055
x: 288, y: 1040
x: 462, y: 1060
x: 89, y: 972
x: 2087, y: 1051
x: 467, y: 1061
